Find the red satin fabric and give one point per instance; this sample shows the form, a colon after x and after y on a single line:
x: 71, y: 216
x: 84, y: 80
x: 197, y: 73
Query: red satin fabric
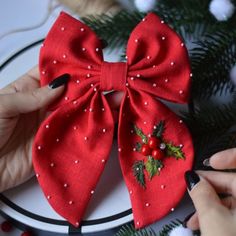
x: 72, y: 145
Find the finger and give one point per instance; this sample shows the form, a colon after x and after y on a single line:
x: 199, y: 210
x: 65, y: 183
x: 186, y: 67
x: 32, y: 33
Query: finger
x: 23, y: 102
x: 114, y: 99
x: 222, y: 160
x: 221, y: 181
x: 229, y: 202
x: 211, y: 213
x: 191, y: 221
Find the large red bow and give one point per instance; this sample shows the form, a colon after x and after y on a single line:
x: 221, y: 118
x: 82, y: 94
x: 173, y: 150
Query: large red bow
x: 73, y: 144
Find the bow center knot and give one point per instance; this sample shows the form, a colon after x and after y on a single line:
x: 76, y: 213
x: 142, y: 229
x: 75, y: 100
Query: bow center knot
x: 113, y: 76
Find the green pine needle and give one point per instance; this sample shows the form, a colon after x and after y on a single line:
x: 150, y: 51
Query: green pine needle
x: 140, y: 133
x: 160, y: 128
x: 138, y: 170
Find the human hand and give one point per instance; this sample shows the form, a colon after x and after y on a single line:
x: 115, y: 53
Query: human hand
x: 214, y: 216
x: 22, y: 108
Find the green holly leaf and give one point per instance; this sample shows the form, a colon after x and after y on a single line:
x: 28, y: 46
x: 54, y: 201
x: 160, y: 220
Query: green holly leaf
x: 159, y: 129
x: 138, y: 146
x: 152, y: 166
x: 140, y: 133
x: 174, y: 151
x: 138, y: 171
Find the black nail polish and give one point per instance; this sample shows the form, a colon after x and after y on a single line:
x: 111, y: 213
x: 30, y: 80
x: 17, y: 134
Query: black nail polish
x: 191, y: 179
x: 59, y: 81
x: 104, y: 43
x: 184, y: 224
x: 206, y: 162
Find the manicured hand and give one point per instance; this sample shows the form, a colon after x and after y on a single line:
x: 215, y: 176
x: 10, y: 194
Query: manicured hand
x: 214, y: 216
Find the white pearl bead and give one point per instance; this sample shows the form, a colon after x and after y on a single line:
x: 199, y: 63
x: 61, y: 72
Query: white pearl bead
x: 181, y: 91
x: 166, y: 80
x: 131, y: 131
x: 90, y: 109
x: 95, y: 89
x: 82, y: 29
x: 85, y: 110
x: 75, y: 102
x: 71, y: 202
x: 154, y: 127
x: 163, y: 186
x: 85, y: 138
x: 191, y: 74
x: 130, y: 192
x: 77, y: 223
x: 172, y: 63
x: 66, y: 98
x: 144, y: 19
x: 182, y: 44
x: 148, y: 57
x: 77, y: 81
x: 119, y: 149
x: 127, y: 84
x: 75, y: 127
x: 64, y: 56
x: 48, y: 197
x: 43, y: 72
x: 180, y: 121
x: 181, y: 145
x: 37, y: 175
x: 136, y: 40
x: 83, y: 49
x: 92, y: 192
x: 154, y: 85
x: 145, y: 103
x: 138, y: 75
x: 39, y: 147
x: 172, y: 209
x: 54, y: 62
x: 89, y: 67
x: 47, y: 126
x: 134, y: 149
x: 163, y: 38
x: 103, y: 160
x: 62, y: 28
x: 103, y: 109
x: 154, y: 66
x: 145, y: 122
x: 57, y: 140
x: 76, y: 161
x: 162, y: 22
x: 104, y: 130
x: 52, y: 164
x: 147, y: 204
x: 66, y: 185
x: 132, y: 78
x: 97, y: 49
x: 138, y: 223
x: 88, y: 75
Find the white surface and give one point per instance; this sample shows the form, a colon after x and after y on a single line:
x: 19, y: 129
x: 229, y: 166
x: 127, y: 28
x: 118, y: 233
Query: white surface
x: 24, y: 13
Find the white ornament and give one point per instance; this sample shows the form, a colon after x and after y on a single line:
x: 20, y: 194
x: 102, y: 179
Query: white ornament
x: 145, y: 5
x: 222, y: 10
x: 181, y: 231
x: 233, y: 74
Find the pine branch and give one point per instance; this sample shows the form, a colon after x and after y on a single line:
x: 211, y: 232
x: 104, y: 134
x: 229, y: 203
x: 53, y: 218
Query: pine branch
x: 167, y: 228
x: 140, y: 133
x: 138, y: 171
x: 212, y: 59
x: 159, y: 129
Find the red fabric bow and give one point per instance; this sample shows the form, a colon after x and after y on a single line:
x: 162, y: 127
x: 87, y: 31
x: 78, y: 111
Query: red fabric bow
x: 73, y: 144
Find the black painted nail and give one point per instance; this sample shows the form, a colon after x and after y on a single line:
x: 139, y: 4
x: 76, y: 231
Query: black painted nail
x: 59, y: 81
x: 206, y: 162
x: 104, y: 43
x: 186, y: 219
x: 191, y: 179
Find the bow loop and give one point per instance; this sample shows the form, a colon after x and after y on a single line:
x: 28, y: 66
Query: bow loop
x: 113, y: 76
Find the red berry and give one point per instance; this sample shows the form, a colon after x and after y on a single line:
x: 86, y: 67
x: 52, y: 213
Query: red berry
x: 157, y: 154
x: 26, y: 233
x: 154, y: 142
x: 6, y: 226
x: 146, y: 150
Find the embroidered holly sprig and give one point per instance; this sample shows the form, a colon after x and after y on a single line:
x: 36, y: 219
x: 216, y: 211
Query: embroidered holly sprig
x: 155, y: 148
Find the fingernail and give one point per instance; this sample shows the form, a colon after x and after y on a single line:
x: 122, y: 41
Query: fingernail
x: 191, y: 179
x: 59, y: 81
x: 104, y: 43
x: 186, y: 219
x: 206, y: 162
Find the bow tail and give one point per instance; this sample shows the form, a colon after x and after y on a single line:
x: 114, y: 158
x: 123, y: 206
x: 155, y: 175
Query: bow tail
x: 70, y: 151
x: 152, y: 182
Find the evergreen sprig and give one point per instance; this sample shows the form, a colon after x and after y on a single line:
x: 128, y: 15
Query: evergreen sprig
x: 174, y: 151
x: 159, y: 129
x: 140, y: 133
x: 138, y: 171
x: 152, y: 166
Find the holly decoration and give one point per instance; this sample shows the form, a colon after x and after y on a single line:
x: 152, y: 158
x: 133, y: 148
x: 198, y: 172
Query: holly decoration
x: 155, y: 148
